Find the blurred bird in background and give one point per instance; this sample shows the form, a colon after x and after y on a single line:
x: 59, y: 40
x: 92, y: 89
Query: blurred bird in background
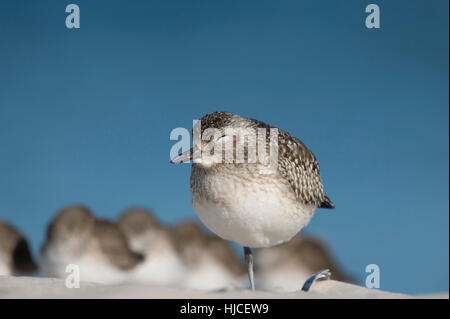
x: 96, y: 246
x: 286, y: 266
x: 211, y: 262
x: 15, y: 256
x: 139, y: 249
x: 149, y: 237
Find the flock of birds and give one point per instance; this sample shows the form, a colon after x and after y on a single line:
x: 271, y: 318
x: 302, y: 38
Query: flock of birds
x: 139, y: 249
x: 251, y: 202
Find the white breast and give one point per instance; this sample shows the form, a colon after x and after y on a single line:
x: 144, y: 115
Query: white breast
x: 259, y: 212
x: 210, y: 275
x: 162, y: 265
x: 282, y: 279
x: 92, y: 266
x: 5, y: 269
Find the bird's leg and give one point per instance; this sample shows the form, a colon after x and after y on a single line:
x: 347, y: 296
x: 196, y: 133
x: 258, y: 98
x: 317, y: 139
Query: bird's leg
x: 249, y: 260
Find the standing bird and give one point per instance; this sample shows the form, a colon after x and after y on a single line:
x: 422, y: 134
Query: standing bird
x: 254, y: 203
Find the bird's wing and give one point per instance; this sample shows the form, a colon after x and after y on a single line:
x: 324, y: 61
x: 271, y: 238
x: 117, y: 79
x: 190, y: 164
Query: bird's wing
x: 298, y: 165
x: 113, y: 243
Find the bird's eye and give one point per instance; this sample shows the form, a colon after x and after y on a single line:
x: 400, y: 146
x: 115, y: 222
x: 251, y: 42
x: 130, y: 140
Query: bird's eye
x: 223, y: 139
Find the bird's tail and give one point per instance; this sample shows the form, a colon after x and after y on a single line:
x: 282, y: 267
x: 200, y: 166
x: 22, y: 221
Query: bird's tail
x: 327, y: 203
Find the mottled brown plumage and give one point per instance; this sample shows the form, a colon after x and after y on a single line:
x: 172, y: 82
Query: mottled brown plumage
x: 114, y: 245
x: 252, y: 182
x: 144, y: 232
x: 75, y: 220
x: 136, y: 221
x: 296, y: 163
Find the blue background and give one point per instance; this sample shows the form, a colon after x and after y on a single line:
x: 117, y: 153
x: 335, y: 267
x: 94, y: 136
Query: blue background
x: 85, y: 115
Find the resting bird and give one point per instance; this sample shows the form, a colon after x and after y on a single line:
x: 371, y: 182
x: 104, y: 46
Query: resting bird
x: 96, y: 246
x: 282, y: 267
x: 211, y: 263
x: 147, y: 236
x: 15, y: 256
x: 251, y: 182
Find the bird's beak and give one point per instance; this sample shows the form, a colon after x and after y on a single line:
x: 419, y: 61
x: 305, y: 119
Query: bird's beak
x: 183, y: 157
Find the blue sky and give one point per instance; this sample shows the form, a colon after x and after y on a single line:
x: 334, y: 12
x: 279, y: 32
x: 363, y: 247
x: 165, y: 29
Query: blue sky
x: 85, y: 115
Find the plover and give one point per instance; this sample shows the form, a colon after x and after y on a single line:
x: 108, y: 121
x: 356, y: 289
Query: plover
x: 284, y: 266
x: 211, y: 262
x: 96, y: 246
x: 255, y: 204
x: 147, y: 236
x: 15, y: 256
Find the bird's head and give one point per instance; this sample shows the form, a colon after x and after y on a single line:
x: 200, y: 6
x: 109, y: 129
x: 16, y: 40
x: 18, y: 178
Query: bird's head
x: 223, y: 138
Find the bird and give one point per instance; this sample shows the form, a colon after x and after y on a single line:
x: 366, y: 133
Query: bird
x: 210, y: 261
x: 15, y: 255
x: 283, y: 266
x: 255, y: 203
x: 162, y: 264
x: 96, y: 246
